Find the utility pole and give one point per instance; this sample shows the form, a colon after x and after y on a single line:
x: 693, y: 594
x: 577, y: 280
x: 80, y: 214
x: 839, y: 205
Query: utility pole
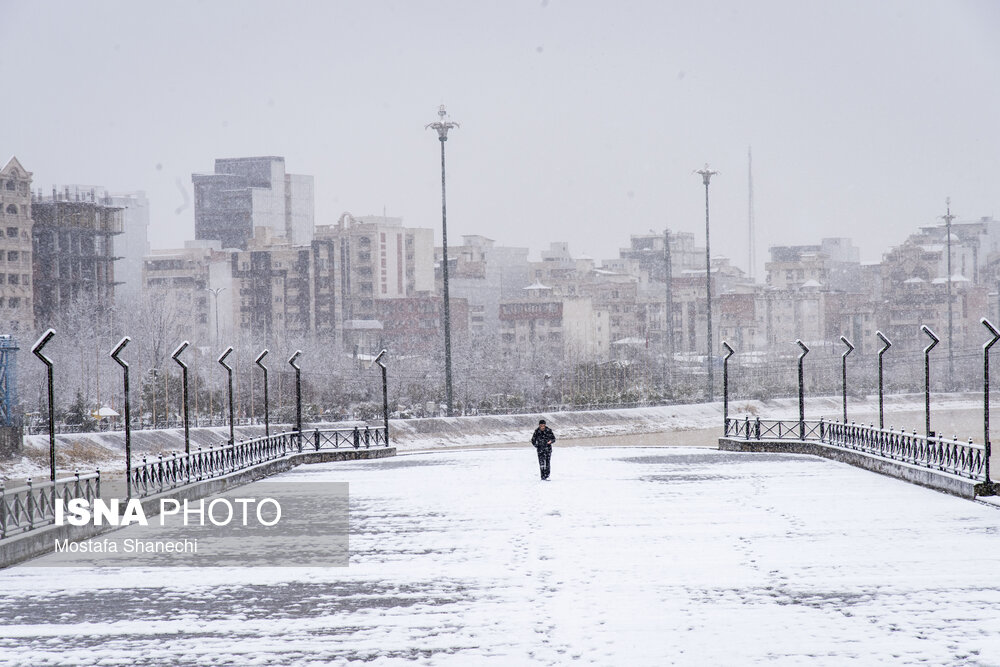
x: 948, y: 217
x: 706, y: 176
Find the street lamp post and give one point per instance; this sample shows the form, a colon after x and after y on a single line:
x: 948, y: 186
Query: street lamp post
x: 886, y: 344
x: 215, y: 292
x: 442, y: 126
x: 36, y: 349
x: 725, y: 387
x: 988, y: 485
x: 267, y: 415
x: 128, y: 413
x: 385, y: 394
x: 948, y: 217
x: 184, y: 393
x: 229, y: 371
x: 927, y: 380
x: 298, y: 395
x: 706, y: 176
x: 843, y: 371
x: 802, y: 391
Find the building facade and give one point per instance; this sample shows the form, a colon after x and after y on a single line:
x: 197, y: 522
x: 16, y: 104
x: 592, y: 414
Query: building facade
x: 16, y: 295
x: 245, y: 194
x: 378, y: 258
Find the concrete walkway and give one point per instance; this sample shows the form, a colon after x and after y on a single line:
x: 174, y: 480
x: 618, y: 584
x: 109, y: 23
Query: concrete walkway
x: 640, y: 556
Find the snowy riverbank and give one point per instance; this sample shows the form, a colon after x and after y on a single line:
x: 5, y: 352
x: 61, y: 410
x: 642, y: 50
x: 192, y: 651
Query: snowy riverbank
x: 85, y: 451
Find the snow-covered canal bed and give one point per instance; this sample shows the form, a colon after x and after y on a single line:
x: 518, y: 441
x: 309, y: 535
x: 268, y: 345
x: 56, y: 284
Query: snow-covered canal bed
x: 641, y: 556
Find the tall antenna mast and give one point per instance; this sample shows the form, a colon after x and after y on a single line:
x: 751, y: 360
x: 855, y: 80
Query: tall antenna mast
x: 752, y: 241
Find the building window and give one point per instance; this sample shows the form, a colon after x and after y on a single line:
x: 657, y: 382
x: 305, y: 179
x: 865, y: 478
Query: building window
x: 11, y: 209
x: 14, y: 279
x: 14, y: 302
x: 12, y: 232
x: 12, y: 255
x: 10, y: 185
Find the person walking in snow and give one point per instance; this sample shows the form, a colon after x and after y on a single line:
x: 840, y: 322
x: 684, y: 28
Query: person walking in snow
x: 542, y: 439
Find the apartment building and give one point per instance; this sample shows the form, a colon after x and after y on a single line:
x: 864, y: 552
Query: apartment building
x: 378, y: 258
x: 284, y: 288
x: 543, y: 327
x: 16, y: 308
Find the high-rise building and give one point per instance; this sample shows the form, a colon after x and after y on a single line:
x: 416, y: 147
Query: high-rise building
x: 16, y: 314
x: 249, y: 193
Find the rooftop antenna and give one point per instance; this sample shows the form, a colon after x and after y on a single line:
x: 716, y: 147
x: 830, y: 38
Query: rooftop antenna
x: 752, y: 244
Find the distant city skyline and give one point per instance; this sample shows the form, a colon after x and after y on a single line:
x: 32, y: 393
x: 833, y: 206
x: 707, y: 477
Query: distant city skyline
x: 580, y: 122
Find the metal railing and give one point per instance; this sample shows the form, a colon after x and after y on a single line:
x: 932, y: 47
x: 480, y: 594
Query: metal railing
x: 33, y: 506
x: 167, y: 472
x: 965, y: 459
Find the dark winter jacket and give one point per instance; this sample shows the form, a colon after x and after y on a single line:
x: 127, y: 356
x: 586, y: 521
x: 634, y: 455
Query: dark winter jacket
x: 542, y: 438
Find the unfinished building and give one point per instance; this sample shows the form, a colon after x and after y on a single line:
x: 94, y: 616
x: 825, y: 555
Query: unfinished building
x: 73, y: 252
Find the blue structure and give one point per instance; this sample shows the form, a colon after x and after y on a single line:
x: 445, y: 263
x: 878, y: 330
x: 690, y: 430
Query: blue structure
x: 8, y: 381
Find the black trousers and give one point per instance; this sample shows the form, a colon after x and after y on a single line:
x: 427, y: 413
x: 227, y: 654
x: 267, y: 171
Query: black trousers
x: 544, y: 459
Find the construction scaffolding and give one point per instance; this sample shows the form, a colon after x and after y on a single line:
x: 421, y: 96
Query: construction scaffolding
x: 74, y: 252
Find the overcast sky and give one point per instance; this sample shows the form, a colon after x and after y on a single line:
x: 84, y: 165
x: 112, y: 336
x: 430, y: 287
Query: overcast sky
x: 580, y: 121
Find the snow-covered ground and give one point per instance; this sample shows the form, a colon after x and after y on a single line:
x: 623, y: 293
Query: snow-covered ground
x: 640, y: 556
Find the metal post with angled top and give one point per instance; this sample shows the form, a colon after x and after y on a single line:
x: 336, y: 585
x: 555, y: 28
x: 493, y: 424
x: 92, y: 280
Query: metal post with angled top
x: 184, y: 393
x: 229, y: 370
x: 267, y: 415
x: 128, y: 414
x: 725, y: 387
x: 802, y: 395
x: 927, y: 379
x: 298, y: 395
x: 385, y: 394
x: 886, y: 344
x: 843, y: 371
x: 986, y: 402
x: 36, y: 349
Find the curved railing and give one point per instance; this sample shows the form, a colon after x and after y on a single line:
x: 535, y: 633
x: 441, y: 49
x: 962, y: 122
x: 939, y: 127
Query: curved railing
x: 965, y: 459
x: 169, y: 472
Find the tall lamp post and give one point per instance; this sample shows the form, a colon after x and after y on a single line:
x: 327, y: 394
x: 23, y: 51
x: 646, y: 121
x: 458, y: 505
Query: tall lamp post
x: 215, y: 292
x: 442, y: 126
x: 706, y: 176
x: 948, y: 217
